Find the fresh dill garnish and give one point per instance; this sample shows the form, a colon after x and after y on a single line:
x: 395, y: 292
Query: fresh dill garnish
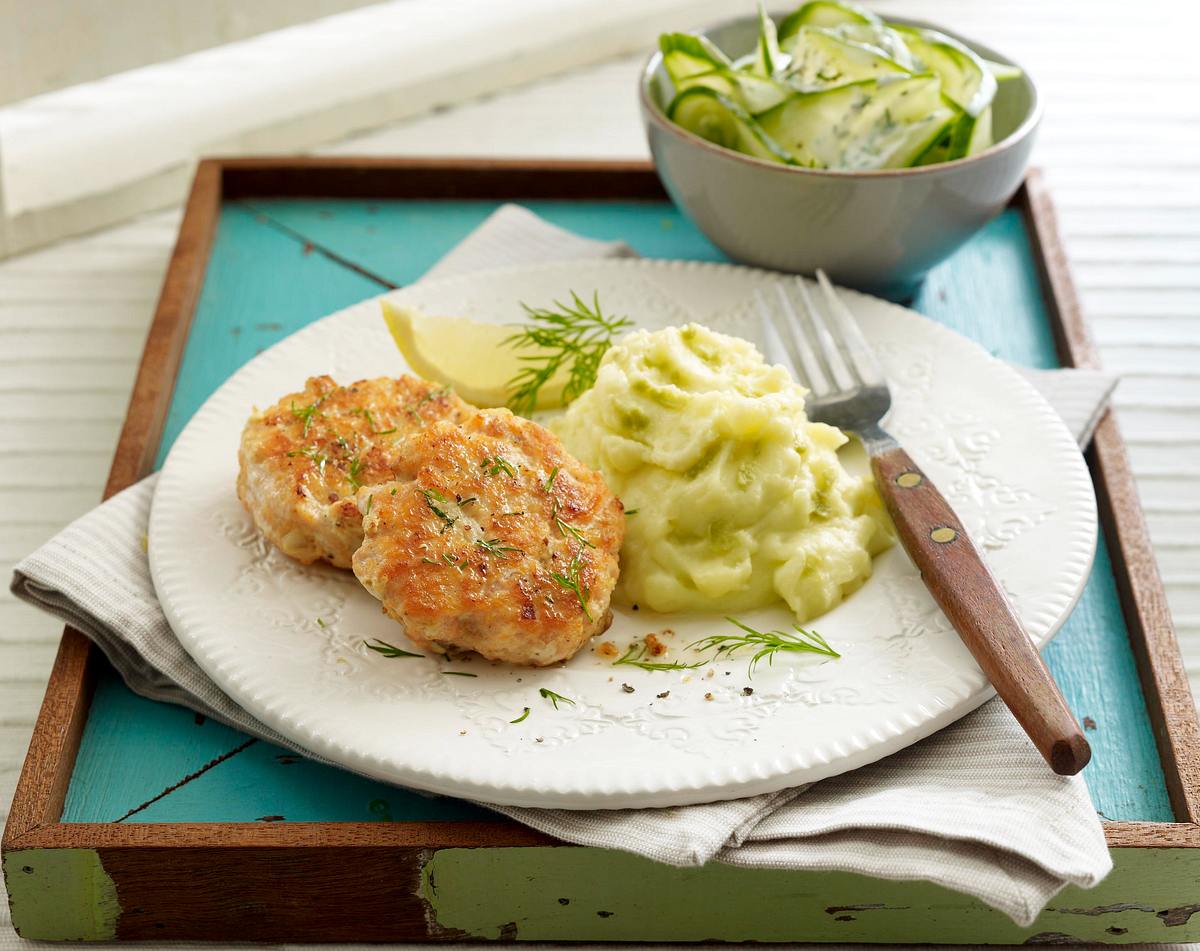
x: 496, y: 547
x: 524, y: 715
x: 429, y: 397
x: 765, y: 643
x: 370, y: 502
x: 550, y: 481
x: 570, y: 531
x: 467, y: 501
x: 497, y: 465
x: 631, y: 511
x: 636, y: 657
x: 570, y: 580
x: 457, y: 673
x: 314, y: 454
x: 434, y: 499
x: 572, y: 336
x: 366, y: 414
x: 446, y: 559
x: 389, y: 650
x: 555, y: 698
x: 320, y: 622
x: 506, y: 514
x: 355, y: 470
x: 307, y: 413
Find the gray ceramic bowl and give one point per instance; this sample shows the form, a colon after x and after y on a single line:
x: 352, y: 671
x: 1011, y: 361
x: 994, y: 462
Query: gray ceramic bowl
x: 879, y: 231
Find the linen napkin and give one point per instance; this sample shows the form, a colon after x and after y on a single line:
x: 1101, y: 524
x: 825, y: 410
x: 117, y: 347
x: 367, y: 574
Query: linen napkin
x: 973, y: 808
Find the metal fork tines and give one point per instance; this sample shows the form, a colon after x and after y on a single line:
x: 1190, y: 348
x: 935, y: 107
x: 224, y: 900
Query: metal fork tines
x: 827, y: 352
x: 824, y: 348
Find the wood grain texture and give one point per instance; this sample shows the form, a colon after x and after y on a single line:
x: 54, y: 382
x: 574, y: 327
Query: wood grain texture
x: 1164, y: 677
x: 966, y: 590
x: 49, y: 763
x: 432, y: 178
x: 212, y: 851
x: 989, y: 291
x: 193, y: 776
x: 994, y: 294
x: 155, y: 379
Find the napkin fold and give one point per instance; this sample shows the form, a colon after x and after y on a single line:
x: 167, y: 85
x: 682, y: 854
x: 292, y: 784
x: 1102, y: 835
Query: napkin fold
x: 973, y: 807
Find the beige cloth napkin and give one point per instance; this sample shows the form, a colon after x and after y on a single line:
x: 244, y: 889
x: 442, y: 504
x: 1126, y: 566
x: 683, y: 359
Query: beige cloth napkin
x: 972, y: 808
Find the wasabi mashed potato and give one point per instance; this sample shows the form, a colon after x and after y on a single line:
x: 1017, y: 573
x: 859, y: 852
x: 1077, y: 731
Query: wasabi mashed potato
x: 739, y: 499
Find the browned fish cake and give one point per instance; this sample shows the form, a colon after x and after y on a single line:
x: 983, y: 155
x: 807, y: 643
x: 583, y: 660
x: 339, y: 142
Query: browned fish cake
x: 302, y: 460
x: 493, y: 539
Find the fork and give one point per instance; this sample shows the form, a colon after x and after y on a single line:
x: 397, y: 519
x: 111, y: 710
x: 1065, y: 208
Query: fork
x: 826, y: 351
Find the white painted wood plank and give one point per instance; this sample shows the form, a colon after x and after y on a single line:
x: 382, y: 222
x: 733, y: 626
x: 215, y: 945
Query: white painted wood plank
x: 1129, y: 201
x: 65, y: 435
x: 67, y: 374
x: 26, y: 663
x: 22, y: 624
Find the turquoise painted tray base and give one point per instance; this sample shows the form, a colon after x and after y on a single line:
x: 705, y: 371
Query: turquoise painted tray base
x: 277, y: 265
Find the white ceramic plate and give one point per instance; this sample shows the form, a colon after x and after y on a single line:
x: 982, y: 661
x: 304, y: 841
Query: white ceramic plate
x: 286, y: 642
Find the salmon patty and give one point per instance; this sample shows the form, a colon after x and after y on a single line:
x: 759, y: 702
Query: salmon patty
x: 492, y: 539
x: 302, y: 460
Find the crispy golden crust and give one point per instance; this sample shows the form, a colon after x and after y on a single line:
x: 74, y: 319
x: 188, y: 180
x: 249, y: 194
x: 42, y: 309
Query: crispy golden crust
x: 302, y: 460
x: 476, y: 548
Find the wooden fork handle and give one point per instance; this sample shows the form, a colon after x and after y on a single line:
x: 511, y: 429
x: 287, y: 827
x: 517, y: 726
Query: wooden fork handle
x: 964, y: 588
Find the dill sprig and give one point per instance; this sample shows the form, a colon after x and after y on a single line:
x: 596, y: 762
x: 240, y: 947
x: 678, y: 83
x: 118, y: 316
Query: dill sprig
x: 554, y: 698
x: 315, y: 455
x: 571, y: 581
x: 496, y: 547
x: 524, y: 715
x: 434, y: 499
x: 435, y: 394
x: 764, y: 643
x: 446, y: 559
x: 494, y: 466
x: 457, y: 673
x: 570, y: 531
x: 355, y: 471
x: 366, y: 414
x: 307, y: 413
x: 636, y: 657
x: 550, y: 481
x: 389, y: 650
x: 575, y: 336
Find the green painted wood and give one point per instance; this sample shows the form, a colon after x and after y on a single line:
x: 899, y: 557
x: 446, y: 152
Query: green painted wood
x: 268, y: 276
x: 547, y: 894
x: 61, y: 895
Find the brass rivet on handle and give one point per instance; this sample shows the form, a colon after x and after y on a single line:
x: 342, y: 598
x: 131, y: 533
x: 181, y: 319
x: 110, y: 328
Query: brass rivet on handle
x: 943, y: 535
x: 909, y: 480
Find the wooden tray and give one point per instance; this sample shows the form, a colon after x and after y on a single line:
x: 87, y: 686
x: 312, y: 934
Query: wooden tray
x: 139, y: 820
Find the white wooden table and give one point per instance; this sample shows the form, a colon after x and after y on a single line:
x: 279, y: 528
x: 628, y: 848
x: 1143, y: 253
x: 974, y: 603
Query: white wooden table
x: 1121, y: 144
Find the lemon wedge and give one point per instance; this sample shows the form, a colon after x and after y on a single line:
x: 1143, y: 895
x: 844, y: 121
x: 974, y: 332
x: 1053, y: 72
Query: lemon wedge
x: 468, y: 355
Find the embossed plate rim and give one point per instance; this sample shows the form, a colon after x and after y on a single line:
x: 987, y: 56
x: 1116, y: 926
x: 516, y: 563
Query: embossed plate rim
x: 637, y: 784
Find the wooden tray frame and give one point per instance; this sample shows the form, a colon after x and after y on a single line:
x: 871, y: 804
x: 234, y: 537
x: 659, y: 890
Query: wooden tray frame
x: 337, y: 874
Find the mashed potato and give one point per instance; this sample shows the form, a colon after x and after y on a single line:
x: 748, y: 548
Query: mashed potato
x: 739, y: 499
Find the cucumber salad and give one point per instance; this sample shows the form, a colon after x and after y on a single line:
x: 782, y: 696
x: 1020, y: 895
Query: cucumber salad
x: 834, y: 86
